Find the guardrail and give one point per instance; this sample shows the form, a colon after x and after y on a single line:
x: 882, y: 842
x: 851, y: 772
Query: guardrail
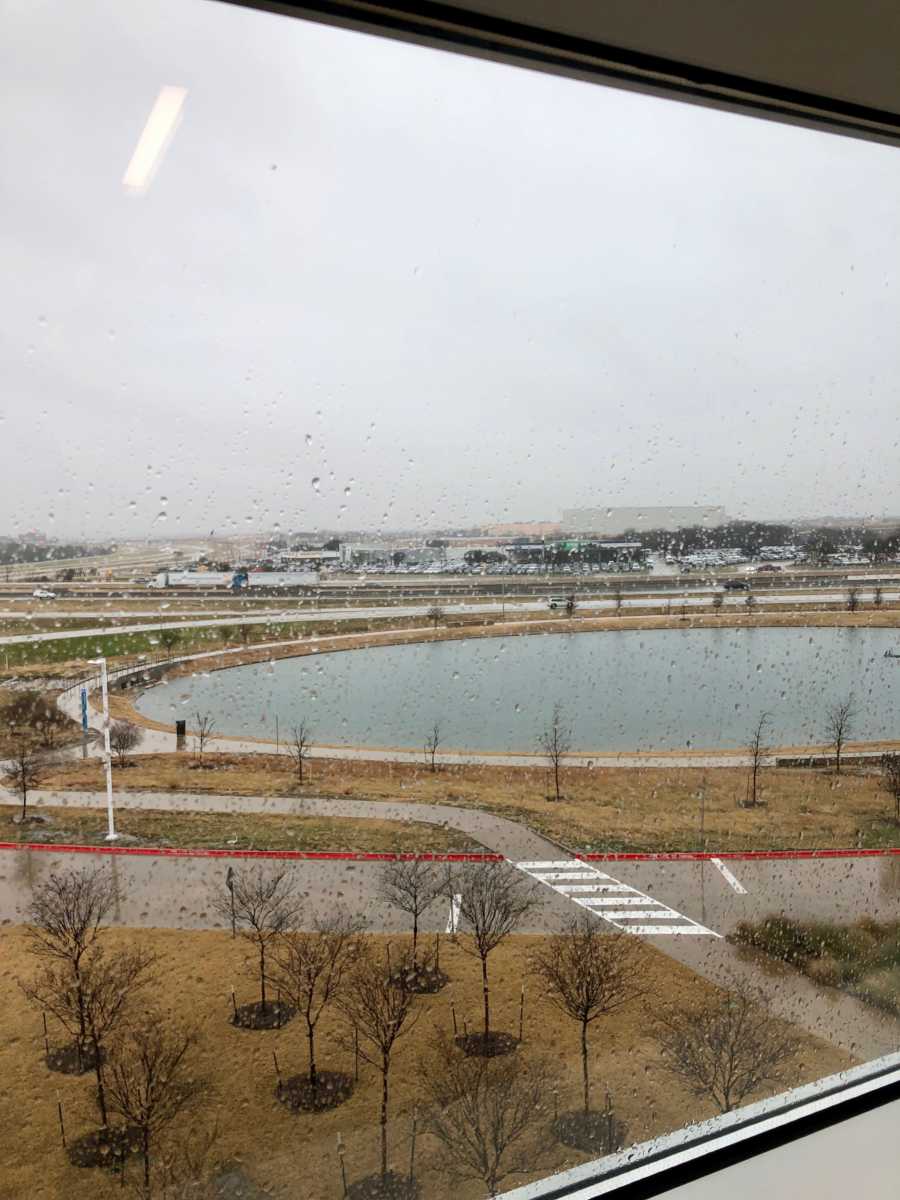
x: 92, y: 681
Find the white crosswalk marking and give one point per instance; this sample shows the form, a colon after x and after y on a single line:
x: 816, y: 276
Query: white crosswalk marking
x: 621, y: 905
x: 729, y: 877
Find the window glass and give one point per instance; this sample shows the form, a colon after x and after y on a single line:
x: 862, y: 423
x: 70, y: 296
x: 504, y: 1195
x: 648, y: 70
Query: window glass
x: 449, y: 602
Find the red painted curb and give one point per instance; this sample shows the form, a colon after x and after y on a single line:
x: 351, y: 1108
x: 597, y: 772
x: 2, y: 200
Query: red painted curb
x: 388, y: 856
x: 746, y: 855
x: 315, y: 855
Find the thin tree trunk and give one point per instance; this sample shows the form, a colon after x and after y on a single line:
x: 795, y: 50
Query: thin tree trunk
x: 415, y: 935
x: 556, y: 776
x: 101, y: 1090
x: 24, y: 801
x: 262, y: 974
x: 310, y: 1035
x: 584, y: 1066
x: 484, y: 990
x: 385, y: 1067
x: 146, y: 1154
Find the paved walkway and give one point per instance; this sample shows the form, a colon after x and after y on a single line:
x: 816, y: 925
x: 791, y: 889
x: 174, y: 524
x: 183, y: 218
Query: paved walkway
x: 509, y: 838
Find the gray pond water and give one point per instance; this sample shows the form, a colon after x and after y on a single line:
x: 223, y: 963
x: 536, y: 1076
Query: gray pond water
x: 623, y: 690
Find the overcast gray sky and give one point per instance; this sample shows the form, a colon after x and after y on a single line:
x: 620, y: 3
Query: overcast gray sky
x: 449, y: 290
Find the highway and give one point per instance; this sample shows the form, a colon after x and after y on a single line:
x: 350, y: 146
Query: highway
x: 634, y: 604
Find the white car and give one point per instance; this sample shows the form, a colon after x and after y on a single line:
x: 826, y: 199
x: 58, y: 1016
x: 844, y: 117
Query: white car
x: 43, y: 594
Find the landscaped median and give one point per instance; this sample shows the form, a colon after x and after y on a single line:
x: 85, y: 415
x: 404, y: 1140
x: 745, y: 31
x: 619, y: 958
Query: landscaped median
x: 654, y: 810
x: 862, y: 958
x: 70, y: 825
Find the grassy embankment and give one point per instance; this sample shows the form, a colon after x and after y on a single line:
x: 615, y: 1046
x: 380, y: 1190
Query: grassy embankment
x: 280, y: 1151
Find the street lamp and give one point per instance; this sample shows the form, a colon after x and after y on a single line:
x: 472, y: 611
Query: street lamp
x: 111, y: 834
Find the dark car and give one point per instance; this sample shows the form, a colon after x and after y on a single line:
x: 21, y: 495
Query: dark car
x: 736, y: 585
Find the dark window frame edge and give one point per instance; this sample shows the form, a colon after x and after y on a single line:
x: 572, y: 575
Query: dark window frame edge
x: 441, y: 26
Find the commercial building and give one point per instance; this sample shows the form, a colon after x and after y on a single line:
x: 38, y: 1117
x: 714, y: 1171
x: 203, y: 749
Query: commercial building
x: 606, y: 521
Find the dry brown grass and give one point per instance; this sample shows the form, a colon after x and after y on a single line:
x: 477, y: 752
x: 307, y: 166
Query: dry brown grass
x: 240, y: 831
x: 604, y: 808
x: 295, y: 1155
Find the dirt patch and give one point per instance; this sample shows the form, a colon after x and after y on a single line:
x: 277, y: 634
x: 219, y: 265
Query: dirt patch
x: 299, y: 1095
x: 274, y: 1014
x: 104, y: 1147
x: 487, y: 1045
x: 594, y: 1133
x: 384, y: 1187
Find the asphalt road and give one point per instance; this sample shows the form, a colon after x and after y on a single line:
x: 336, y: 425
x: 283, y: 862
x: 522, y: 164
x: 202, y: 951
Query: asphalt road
x: 734, y: 600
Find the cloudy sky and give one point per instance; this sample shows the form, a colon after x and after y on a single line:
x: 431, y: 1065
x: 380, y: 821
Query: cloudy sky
x: 373, y: 285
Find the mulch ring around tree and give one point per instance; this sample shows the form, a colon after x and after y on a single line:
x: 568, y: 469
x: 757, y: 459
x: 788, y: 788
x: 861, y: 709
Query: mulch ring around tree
x: 495, y: 1044
x: 593, y: 1132
x: 384, y: 1187
x: 273, y: 1015
x: 297, y: 1093
x: 423, y: 979
x: 72, y: 1059
x: 104, y: 1147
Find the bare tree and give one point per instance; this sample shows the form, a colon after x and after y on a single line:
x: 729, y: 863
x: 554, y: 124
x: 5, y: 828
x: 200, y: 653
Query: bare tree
x: 757, y: 751
x: 65, y: 919
x: 878, y: 595
x: 204, y: 734
x: 839, y: 719
x: 299, y: 747
x: 94, y: 1008
x: 380, y: 1012
x: 618, y: 598
x: 571, y: 604
x: 265, y: 906
x: 852, y: 598
x: 313, y: 970
x: 494, y: 899
x: 23, y: 771
x: 749, y: 602
x: 481, y: 1111
x: 151, y: 1081
x: 124, y: 736
x: 435, y: 615
x: 555, y: 743
x: 590, y: 972
x: 412, y: 886
x: 718, y: 600
x: 432, y: 745
x: 890, y: 780
x: 726, y: 1048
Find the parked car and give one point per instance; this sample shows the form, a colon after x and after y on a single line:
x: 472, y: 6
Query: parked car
x: 736, y: 585
x: 43, y: 594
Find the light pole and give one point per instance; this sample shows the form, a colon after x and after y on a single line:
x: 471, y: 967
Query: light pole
x: 111, y: 834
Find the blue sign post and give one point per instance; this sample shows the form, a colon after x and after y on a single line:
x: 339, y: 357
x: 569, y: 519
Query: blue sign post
x: 84, y: 716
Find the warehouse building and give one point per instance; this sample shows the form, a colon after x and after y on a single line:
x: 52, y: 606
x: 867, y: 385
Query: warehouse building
x: 603, y: 522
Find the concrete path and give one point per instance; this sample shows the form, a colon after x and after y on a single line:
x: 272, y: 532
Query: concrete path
x: 502, y: 836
